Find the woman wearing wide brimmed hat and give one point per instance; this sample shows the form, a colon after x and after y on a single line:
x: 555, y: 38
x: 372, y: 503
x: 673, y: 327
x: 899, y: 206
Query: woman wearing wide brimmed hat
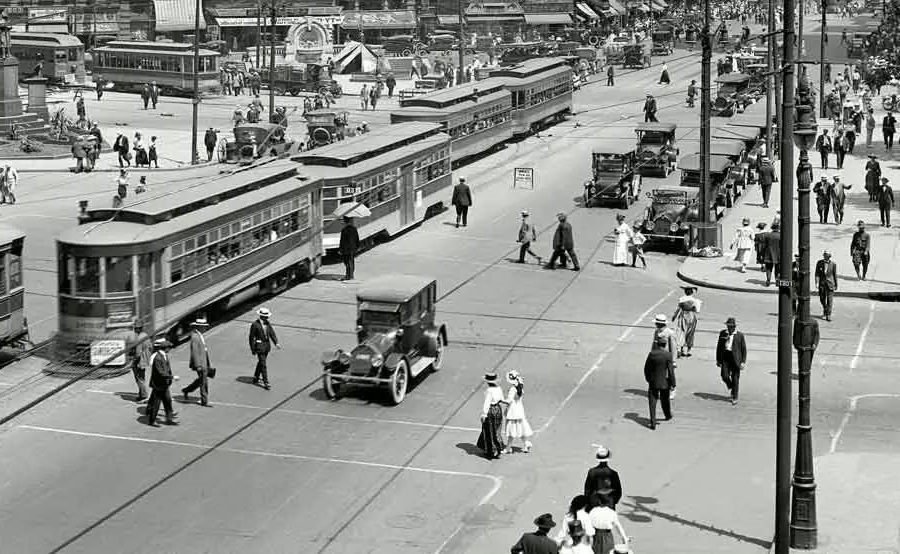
x: 517, y: 426
x: 685, y: 320
x: 491, y: 438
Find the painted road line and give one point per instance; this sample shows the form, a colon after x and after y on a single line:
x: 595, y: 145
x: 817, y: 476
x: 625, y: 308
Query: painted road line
x: 862, y: 337
x: 332, y: 416
x: 854, y: 401
x: 600, y: 359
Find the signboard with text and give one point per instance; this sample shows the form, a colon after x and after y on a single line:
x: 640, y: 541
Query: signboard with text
x: 523, y: 178
x: 102, y: 350
x: 327, y: 21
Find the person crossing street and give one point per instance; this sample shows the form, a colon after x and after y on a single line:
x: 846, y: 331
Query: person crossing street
x: 160, y: 380
x: 262, y: 337
x: 141, y: 351
x: 563, y: 244
x: 199, y: 362
x: 731, y: 357
x: 527, y: 235
x: 462, y: 201
x: 660, y: 377
x: 827, y: 283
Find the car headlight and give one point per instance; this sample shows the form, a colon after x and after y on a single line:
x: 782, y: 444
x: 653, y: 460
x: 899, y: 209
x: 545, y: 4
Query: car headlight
x: 343, y: 357
x: 648, y: 225
x: 377, y: 360
x: 683, y: 226
x: 673, y: 227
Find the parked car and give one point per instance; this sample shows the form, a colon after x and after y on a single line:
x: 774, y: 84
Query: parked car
x: 732, y: 95
x: 255, y: 140
x: 719, y: 170
x: 404, y: 45
x: 397, y: 338
x: 324, y: 127
x: 657, y: 150
x: 636, y: 56
x: 613, y: 180
x: 668, y: 219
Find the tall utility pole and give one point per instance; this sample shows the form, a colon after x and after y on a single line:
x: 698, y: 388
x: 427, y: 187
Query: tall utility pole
x: 784, y: 281
x: 258, y: 30
x: 770, y: 82
x: 196, y: 101
x: 462, y: 42
x: 272, y: 65
x: 822, y: 39
x: 800, y: 49
x: 705, y: 92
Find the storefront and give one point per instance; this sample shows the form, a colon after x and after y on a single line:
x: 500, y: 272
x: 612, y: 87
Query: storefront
x: 586, y: 14
x: 503, y: 19
x: 548, y: 22
x: 377, y: 24
x: 93, y: 28
x: 176, y: 18
x: 238, y: 27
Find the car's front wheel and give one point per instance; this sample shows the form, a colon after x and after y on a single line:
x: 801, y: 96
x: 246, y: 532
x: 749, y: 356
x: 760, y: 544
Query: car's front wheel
x: 438, y: 353
x: 399, y: 382
x: 330, y: 386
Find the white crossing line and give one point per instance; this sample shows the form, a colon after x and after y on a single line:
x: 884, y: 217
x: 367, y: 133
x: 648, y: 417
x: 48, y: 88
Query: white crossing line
x: 333, y: 416
x: 862, y: 337
x: 603, y: 355
x: 854, y: 401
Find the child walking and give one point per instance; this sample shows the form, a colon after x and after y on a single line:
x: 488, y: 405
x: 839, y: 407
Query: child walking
x: 517, y: 426
x: 637, y: 247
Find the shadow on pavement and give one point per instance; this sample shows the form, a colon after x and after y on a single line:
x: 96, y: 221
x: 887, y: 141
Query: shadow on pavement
x: 636, y: 392
x: 471, y: 449
x: 712, y: 396
x: 640, y: 420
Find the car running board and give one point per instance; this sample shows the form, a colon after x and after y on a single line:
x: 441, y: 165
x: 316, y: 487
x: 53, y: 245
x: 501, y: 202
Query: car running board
x: 421, y: 365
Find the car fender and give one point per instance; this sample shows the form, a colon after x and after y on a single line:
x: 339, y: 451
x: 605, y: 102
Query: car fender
x: 429, y: 348
x: 392, y: 359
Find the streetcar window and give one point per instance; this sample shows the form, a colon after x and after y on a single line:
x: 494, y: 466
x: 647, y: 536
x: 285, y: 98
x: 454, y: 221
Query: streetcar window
x: 119, y: 275
x: 73, y: 54
x: 3, y: 274
x: 87, y: 276
x: 64, y: 273
x: 15, y: 271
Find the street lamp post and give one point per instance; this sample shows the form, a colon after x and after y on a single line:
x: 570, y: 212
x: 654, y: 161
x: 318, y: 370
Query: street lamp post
x: 272, y: 64
x: 806, y: 332
x: 462, y: 43
x: 822, y: 38
x: 705, y: 86
x: 196, y: 100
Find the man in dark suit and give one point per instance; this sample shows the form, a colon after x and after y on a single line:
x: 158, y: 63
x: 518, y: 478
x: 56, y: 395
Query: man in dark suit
x: 563, y: 244
x: 462, y: 201
x: 160, y: 381
x: 885, y: 202
x: 537, y: 542
x: 766, y: 178
x: 823, y: 147
x: 199, y: 362
x: 602, y: 477
x: 660, y: 379
x: 348, y: 246
x: 826, y: 282
x: 772, y: 252
x: 873, y: 174
x: 210, y: 140
x: 262, y: 337
x: 731, y: 355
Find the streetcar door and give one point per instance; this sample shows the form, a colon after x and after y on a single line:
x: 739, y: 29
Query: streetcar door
x: 145, y: 291
x: 407, y: 195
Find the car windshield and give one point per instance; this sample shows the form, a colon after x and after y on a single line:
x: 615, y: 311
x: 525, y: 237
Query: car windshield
x: 371, y: 317
x: 728, y: 88
x: 654, y: 137
x: 610, y: 165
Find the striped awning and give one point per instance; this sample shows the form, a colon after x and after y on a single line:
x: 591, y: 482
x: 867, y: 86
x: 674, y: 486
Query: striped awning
x: 177, y: 15
x: 548, y: 19
x: 586, y: 10
x: 657, y: 6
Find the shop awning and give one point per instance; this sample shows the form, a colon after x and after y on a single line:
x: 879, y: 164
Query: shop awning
x: 617, y: 7
x: 641, y: 8
x: 586, y: 10
x: 492, y: 18
x: 548, y: 19
x: 177, y: 15
x: 657, y: 6
x: 448, y: 19
x: 379, y: 20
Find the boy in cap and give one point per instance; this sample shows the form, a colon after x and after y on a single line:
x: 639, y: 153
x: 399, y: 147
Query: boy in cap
x: 527, y: 235
x: 160, y: 380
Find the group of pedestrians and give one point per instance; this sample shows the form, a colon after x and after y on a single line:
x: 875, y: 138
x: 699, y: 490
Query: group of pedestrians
x: 145, y: 154
x: 153, y: 356
x: 369, y: 96
x: 236, y: 83
x: 150, y: 94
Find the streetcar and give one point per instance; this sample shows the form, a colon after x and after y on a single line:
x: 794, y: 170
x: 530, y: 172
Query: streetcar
x: 61, y: 56
x: 128, y: 65
x: 478, y: 117
x: 397, y: 175
x: 185, y: 250
x: 541, y: 92
x: 13, y: 325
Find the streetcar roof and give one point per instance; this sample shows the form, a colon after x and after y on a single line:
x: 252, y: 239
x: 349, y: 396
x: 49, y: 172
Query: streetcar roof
x: 44, y: 39
x: 146, y: 47
x: 656, y: 126
x: 726, y: 147
x: 362, y: 147
x: 729, y: 78
x: 524, y: 80
x: 454, y: 109
x: 387, y: 160
x: 529, y: 67
x: 393, y: 288
x: 455, y: 95
x: 9, y: 233
x: 717, y: 163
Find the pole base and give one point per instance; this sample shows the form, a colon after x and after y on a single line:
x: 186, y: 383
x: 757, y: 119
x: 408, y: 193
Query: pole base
x: 804, y: 529
x: 706, y: 234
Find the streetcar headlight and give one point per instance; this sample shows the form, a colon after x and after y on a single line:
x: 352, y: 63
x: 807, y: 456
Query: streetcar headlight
x: 673, y: 228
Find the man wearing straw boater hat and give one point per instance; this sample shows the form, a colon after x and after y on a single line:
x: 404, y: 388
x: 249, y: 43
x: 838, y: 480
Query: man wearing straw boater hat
x: 537, y: 542
x: 141, y: 350
x: 262, y: 337
x: 199, y: 362
x: 160, y: 381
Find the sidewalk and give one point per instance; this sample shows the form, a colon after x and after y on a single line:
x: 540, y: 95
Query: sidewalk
x: 883, y: 279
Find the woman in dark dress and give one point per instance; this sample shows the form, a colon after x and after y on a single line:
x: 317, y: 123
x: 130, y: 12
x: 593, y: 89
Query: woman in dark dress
x: 491, y: 438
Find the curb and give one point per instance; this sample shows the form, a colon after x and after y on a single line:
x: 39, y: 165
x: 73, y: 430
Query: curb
x: 877, y: 296
x: 116, y: 169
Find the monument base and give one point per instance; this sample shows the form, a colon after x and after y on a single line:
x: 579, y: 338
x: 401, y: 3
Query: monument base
x: 10, y: 103
x: 27, y: 124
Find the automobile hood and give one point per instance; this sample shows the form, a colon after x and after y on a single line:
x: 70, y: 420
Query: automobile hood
x: 378, y: 344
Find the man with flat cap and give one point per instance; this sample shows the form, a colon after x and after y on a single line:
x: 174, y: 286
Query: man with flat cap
x: 160, y: 380
x: 199, y: 362
x: 537, y: 542
x: 826, y: 282
x: 602, y: 477
x: 262, y: 337
x: 731, y: 355
x: 873, y: 174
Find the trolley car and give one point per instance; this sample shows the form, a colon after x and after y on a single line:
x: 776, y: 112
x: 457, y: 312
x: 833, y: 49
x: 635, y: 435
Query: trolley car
x: 182, y: 251
x: 61, y: 56
x: 398, y: 175
x: 478, y: 117
x: 541, y: 92
x: 128, y: 65
x: 13, y: 326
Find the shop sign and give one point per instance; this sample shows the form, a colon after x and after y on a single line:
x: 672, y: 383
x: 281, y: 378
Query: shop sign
x: 41, y: 16
x: 523, y: 178
x: 326, y: 21
x: 85, y: 23
x: 103, y: 350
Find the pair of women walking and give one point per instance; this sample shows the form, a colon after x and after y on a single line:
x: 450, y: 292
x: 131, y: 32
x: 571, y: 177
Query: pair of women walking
x: 498, y: 407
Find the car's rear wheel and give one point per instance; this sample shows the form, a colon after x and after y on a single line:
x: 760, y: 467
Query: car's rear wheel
x: 399, y: 382
x: 438, y: 354
x: 406, y: 52
x: 331, y: 387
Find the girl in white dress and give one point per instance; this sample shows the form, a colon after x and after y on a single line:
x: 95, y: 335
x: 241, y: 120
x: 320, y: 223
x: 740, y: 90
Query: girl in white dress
x: 743, y: 239
x: 623, y: 237
x: 517, y: 426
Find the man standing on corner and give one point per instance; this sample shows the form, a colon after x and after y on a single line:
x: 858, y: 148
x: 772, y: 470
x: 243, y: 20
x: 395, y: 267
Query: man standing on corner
x: 601, y: 477
x: 141, y: 350
x: 610, y: 76
x: 262, y: 337
x: 731, y: 355
x: 650, y: 109
x: 348, y: 246
x: 462, y: 200
x: 859, y: 250
x: 199, y: 362
x: 885, y: 202
x: 827, y: 283
x: 660, y: 379
x: 160, y: 381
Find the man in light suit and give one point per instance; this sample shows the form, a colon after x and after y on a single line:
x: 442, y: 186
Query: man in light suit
x: 199, y: 362
x: 731, y: 355
x: 462, y: 201
x: 826, y: 282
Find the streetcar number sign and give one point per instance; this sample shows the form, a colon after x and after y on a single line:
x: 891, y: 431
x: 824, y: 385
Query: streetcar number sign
x: 523, y: 178
x: 101, y: 350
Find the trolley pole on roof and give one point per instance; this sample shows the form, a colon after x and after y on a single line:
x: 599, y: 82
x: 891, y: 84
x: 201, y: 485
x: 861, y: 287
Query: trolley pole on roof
x: 272, y: 65
x: 196, y: 102
x: 462, y: 43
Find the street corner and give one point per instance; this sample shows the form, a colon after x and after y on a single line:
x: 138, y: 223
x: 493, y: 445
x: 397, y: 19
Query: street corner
x: 724, y: 273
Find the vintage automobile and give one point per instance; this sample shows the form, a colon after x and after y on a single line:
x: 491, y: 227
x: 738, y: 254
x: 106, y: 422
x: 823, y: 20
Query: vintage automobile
x: 733, y: 89
x: 759, y: 77
x: 657, y: 151
x: 662, y: 43
x: 719, y: 169
x: 613, y: 181
x: 255, y: 140
x: 325, y: 127
x: 518, y: 52
x: 635, y: 56
x: 404, y: 45
x: 667, y: 220
x: 614, y: 54
x: 307, y: 77
x: 397, y: 338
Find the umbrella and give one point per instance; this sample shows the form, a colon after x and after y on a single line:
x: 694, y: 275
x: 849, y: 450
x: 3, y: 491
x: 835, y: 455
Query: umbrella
x: 352, y: 209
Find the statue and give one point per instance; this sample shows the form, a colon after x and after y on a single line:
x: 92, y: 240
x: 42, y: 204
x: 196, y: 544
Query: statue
x: 4, y: 34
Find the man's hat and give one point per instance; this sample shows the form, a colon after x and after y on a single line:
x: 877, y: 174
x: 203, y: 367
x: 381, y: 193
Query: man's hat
x: 730, y: 321
x: 884, y: 179
x: 462, y: 179
x: 200, y: 322
x: 490, y: 377
x: 826, y: 253
x: 161, y: 343
x: 525, y: 213
x: 860, y: 222
x: 824, y: 177
x: 660, y: 318
x: 621, y: 549
x: 545, y: 521
x: 602, y: 452
x: 263, y: 312
x: 873, y: 156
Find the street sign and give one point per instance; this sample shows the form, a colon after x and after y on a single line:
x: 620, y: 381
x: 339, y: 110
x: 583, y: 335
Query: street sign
x: 523, y: 178
x: 101, y: 350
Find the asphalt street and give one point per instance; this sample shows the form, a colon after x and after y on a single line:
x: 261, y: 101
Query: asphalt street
x: 289, y: 471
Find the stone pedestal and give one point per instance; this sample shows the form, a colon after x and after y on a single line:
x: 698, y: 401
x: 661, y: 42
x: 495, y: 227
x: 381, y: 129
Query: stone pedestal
x: 37, y: 97
x: 10, y: 104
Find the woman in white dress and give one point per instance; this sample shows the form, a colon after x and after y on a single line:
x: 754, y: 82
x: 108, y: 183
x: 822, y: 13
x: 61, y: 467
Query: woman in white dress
x: 743, y: 240
x: 608, y: 530
x: 517, y: 426
x: 623, y: 237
